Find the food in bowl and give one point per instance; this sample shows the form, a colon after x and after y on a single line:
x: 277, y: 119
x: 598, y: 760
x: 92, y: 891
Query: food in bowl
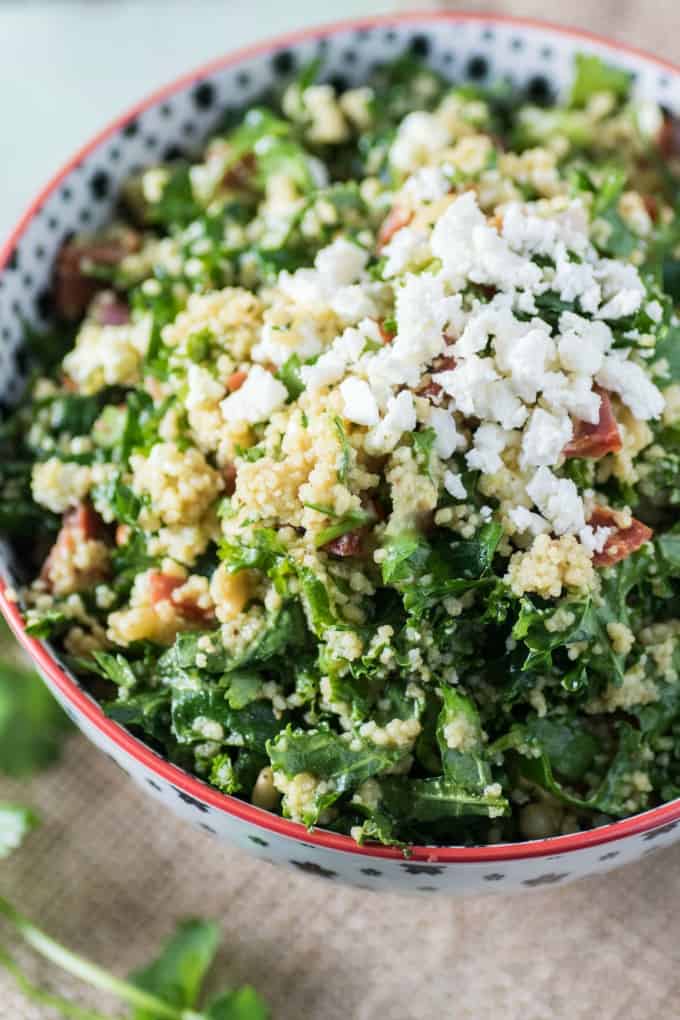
x: 357, y: 463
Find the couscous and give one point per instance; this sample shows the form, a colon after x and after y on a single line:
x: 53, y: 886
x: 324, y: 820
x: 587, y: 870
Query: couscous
x: 358, y: 463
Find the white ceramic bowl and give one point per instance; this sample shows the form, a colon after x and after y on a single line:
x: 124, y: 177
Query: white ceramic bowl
x: 533, y: 56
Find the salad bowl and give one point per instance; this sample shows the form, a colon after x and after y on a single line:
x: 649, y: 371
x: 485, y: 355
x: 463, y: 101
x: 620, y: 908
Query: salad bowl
x: 533, y: 57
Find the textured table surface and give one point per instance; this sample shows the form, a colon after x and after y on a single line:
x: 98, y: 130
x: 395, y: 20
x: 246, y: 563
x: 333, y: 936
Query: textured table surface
x: 110, y: 872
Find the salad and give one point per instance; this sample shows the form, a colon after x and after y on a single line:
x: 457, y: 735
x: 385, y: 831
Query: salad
x: 349, y: 471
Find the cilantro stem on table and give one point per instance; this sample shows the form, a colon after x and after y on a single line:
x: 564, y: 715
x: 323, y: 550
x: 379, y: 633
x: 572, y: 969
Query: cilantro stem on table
x: 39, y: 995
x: 89, y: 972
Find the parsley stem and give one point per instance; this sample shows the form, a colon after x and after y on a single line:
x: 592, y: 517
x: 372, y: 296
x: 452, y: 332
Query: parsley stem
x: 89, y: 972
x: 31, y: 991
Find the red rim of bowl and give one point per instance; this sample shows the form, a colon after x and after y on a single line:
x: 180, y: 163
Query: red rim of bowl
x: 86, y: 706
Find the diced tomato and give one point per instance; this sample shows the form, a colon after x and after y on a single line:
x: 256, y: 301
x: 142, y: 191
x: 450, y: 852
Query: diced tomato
x: 652, y: 206
x: 668, y: 138
x: 85, y: 520
x: 236, y: 380
x: 595, y: 440
x: 444, y: 363
x: 349, y: 544
x: 386, y: 335
x: 623, y: 541
x: 161, y: 588
x: 79, y: 524
x: 74, y: 288
x: 394, y: 221
x: 229, y: 475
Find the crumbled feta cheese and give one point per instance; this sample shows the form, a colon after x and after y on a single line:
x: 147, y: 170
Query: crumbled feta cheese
x: 544, y: 438
x: 488, y: 443
x: 582, y: 344
x: 594, y: 539
x: 428, y: 184
x: 359, y: 403
x: 259, y: 396
x: 419, y: 137
x: 633, y: 385
x: 399, y: 418
x: 453, y: 483
x: 532, y: 234
x: 202, y: 388
x: 407, y: 246
x: 469, y: 247
x: 528, y: 358
x: 558, y: 501
x: 447, y: 437
x: 528, y: 521
x: 622, y: 289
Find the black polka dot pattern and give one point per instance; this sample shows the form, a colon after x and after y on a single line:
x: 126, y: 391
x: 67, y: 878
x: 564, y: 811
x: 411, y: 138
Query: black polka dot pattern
x: 204, y: 95
x: 312, y: 868
x: 283, y: 62
x: 477, y: 68
x: 550, y: 878
x: 420, y: 45
x: 422, y: 869
x: 193, y: 802
x: 662, y: 831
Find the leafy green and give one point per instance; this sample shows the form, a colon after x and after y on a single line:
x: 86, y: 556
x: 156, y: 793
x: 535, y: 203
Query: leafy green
x: 343, y: 764
x: 177, y: 975
x: 569, y: 746
x: 465, y: 765
x: 345, y: 464
x: 668, y: 352
x: 148, y: 710
x: 249, y: 727
x: 423, y: 444
x: 593, y: 75
x: 289, y: 374
x: 428, y: 571
x: 430, y: 800
x: 242, y: 1004
x: 620, y: 241
x: 341, y: 524
x: 269, y: 140
x: 176, y: 204
x: 538, y: 763
x: 118, y: 500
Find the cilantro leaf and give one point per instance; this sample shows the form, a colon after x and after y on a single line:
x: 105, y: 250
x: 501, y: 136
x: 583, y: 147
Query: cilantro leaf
x: 16, y: 821
x: 242, y: 1004
x: 177, y: 975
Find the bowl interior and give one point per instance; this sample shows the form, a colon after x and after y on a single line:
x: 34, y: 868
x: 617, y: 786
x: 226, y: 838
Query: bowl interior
x: 532, y: 57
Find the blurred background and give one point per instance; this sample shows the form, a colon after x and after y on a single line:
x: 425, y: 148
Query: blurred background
x: 109, y: 872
